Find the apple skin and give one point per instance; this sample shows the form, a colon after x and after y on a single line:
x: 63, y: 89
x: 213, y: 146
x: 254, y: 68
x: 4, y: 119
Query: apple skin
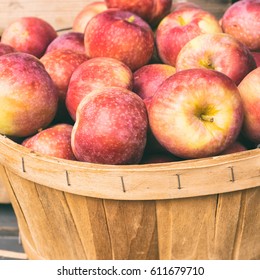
x: 256, y: 56
x: 60, y: 64
x: 249, y: 89
x: 121, y: 35
x: 4, y: 49
x: 242, y: 20
x: 219, y: 51
x: 73, y: 41
x: 110, y: 128
x: 235, y: 147
x: 86, y: 14
x: 152, y: 11
x: 196, y: 113
x: 179, y: 27
x: 148, y: 78
x: 93, y: 74
x: 54, y: 141
x: 31, y: 35
x: 28, y: 96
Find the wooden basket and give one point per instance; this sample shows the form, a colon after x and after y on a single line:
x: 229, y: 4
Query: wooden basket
x: 4, y: 198
x: 196, y: 209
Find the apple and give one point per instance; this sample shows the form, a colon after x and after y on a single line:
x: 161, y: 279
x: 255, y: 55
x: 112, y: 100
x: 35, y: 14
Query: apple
x: 68, y: 41
x: 93, y: 74
x: 249, y: 89
x: 256, y: 56
x: 121, y: 35
x: 110, y: 127
x: 4, y: 49
x: 234, y: 148
x: 242, y: 20
x: 149, y: 77
x: 60, y: 64
x: 28, y: 96
x: 152, y: 11
x: 88, y: 12
x: 53, y: 141
x: 221, y: 52
x: 179, y: 27
x: 196, y: 113
x: 31, y: 35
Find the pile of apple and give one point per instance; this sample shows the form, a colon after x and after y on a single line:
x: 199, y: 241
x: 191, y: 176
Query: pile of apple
x: 134, y: 82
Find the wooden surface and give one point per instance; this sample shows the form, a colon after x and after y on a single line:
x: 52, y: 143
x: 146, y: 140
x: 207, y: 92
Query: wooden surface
x: 135, y: 182
x: 60, y: 225
x: 58, y: 13
x: 144, y: 220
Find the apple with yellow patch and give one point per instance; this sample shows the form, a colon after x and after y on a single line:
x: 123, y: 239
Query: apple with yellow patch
x: 220, y: 52
x: 196, y: 113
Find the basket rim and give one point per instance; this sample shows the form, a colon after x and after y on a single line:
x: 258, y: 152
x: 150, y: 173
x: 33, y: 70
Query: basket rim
x: 81, y: 177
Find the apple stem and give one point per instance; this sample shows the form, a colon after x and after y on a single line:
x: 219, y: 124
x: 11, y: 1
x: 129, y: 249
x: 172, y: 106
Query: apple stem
x: 131, y: 19
x: 207, y: 118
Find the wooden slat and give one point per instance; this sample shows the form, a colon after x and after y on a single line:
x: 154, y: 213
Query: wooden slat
x: 136, y: 182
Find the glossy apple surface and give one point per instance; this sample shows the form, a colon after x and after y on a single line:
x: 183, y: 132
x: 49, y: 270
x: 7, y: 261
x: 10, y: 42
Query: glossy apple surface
x: 94, y: 74
x: 30, y: 35
x: 60, y: 64
x: 28, y: 96
x: 86, y: 14
x: 152, y: 11
x: 73, y: 41
x: 179, y: 27
x: 110, y: 127
x: 242, y: 20
x: 53, y: 141
x: 196, y: 113
x: 218, y: 51
x: 4, y: 49
x: 249, y: 90
x: 148, y: 78
x: 121, y: 35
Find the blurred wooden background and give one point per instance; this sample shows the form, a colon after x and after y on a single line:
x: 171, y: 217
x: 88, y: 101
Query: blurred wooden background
x: 60, y: 13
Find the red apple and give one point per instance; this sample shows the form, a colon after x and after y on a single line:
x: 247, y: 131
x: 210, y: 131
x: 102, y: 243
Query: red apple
x: 249, y: 90
x: 179, y: 27
x: 196, y: 113
x: 86, y: 14
x: 53, y: 141
x: 93, y: 74
x: 256, y: 56
x: 234, y: 148
x: 28, y: 96
x: 30, y: 35
x: 121, y: 35
x: 151, y: 11
x: 73, y: 41
x: 218, y: 51
x: 60, y: 64
x: 149, y: 77
x: 242, y: 20
x: 4, y: 49
x: 110, y: 127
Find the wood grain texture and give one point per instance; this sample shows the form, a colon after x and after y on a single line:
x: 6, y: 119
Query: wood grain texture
x: 59, y: 225
x: 135, y: 182
x: 4, y: 197
x: 60, y: 14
